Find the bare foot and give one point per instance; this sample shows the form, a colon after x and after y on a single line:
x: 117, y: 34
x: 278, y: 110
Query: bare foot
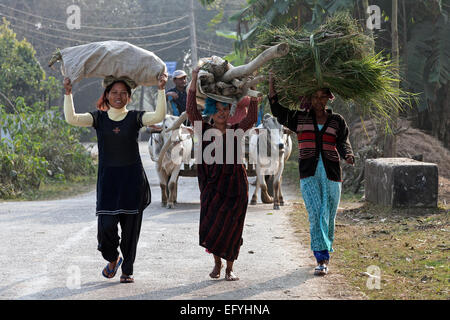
x: 215, y: 273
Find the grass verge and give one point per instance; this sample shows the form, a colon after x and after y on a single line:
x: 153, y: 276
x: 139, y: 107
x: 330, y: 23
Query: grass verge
x: 59, y: 190
x: 388, y: 253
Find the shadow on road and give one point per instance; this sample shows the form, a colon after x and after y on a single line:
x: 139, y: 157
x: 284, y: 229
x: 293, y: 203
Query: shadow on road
x: 197, y: 290
x: 291, y: 280
x: 65, y: 293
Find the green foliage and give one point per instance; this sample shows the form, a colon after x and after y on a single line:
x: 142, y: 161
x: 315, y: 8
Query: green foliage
x: 216, y: 20
x: 321, y: 9
x: 206, y: 2
x: 260, y: 13
x: 36, y: 146
x: 337, y: 56
x: 20, y: 73
x: 236, y: 58
x: 429, y: 58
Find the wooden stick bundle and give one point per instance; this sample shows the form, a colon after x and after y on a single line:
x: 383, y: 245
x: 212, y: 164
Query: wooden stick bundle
x: 221, y: 81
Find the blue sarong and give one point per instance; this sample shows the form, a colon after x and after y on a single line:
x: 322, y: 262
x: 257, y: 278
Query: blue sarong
x: 321, y: 197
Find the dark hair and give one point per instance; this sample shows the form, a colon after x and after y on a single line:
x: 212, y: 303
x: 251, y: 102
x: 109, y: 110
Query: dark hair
x: 103, y: 103
x: 305, y: 101
x: 328, y: 92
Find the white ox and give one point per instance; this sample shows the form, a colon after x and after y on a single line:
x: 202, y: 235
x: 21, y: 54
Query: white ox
x: 170, y: 146
x: 268, y: 150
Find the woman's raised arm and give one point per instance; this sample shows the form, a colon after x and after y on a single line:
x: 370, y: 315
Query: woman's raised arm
x: 191, y: 104
x: 252, y: 115
x: 75, y: 119
x: 158, y: 115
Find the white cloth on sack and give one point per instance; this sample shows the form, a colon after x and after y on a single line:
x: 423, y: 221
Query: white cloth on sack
x: 112, y: 58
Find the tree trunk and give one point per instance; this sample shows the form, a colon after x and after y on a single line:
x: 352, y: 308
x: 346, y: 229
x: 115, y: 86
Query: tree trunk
x: 11, y: 106
x: 390, y: 146
x: 405, y: 37
x: 365, y: 4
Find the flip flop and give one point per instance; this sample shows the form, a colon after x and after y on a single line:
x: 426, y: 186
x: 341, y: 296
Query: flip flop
x: 107, y: 273
x: 126, y: 279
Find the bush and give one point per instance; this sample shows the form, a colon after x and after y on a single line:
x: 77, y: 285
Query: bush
x: 38, y: 145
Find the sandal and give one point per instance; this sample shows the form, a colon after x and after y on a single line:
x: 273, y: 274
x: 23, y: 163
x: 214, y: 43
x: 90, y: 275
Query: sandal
x: 107, y: 273
x: 126, y: 279
x: 230, y: 276
x: 321, y: 270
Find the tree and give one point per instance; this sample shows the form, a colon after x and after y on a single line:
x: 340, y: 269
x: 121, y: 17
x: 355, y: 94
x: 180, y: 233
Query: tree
x: 292, y: 13
x: 428, y: 56
x: 20, y: 74
x: 390, y: 145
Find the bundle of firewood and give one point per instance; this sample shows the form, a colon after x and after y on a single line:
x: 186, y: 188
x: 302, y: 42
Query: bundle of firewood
x: 221, y: 81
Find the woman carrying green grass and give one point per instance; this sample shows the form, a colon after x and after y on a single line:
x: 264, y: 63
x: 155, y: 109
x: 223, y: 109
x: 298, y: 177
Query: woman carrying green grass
x: 322, y: 142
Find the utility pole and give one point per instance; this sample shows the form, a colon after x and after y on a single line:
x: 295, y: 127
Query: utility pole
x: 193, y: 35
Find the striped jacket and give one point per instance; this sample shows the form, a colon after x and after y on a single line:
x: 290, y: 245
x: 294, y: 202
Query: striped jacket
x: 331, y: 142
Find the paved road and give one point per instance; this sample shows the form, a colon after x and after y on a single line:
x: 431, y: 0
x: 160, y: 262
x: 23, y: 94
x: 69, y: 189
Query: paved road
x: 49, y: 252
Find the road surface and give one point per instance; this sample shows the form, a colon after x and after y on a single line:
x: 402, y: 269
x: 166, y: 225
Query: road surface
x: 49, y: 252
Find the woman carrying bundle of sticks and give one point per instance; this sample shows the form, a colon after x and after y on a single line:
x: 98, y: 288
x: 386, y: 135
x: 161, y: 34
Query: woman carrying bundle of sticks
x: 223, y: 186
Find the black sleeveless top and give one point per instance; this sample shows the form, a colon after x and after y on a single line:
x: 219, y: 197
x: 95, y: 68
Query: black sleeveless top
x: 122, y: 185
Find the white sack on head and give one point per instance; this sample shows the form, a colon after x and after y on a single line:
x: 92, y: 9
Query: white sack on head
x: 111, y: 58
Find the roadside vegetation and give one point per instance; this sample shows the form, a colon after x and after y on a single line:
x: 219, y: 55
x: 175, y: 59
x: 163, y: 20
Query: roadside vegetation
x: 384, y: 253
x: 40, y: 154
x: 388, y: 254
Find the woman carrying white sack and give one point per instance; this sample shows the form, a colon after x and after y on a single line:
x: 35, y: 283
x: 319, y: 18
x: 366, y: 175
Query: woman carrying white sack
x: 123, y: 191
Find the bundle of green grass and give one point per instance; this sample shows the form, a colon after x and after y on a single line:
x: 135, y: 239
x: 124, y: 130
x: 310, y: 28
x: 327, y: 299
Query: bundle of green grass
x: 338, y: 56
